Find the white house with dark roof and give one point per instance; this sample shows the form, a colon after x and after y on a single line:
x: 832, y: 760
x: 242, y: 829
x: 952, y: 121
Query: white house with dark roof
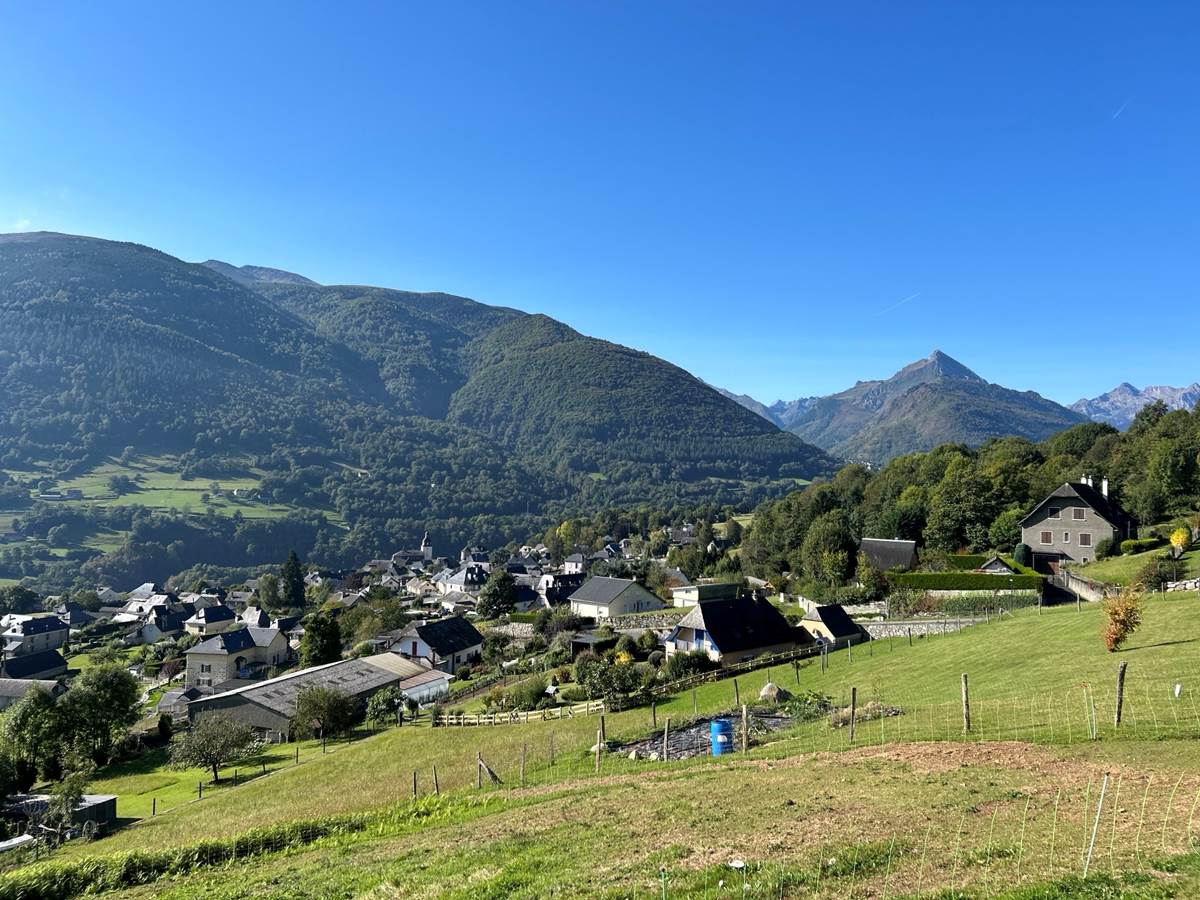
x: 210, y: 620
x: 602, y: 598
x: 446, y: 644
x: 234, y: 655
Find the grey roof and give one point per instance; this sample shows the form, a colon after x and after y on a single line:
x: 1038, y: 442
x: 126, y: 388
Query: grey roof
x: 447, y: 636
x: 236, y: 641
x: 353, y: 677
x: 602, y: 590
x: 27, y: 665
x: 216, y: 613
x: 1106, y: 507
x: 740, y: 623
x: 16, y: 688
x: 888, y: 553
x: 835, y: 618
x: 40, y: 625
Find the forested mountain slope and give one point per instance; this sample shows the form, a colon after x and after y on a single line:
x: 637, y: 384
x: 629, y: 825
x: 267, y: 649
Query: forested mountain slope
x: 401, y: 411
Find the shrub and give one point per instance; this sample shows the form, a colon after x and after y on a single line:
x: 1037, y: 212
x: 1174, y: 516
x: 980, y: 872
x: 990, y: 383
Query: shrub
x: 1105, y: 548
x: 1023, y: 555
x: 1153, y: 575
x: 681, y: 665
x: 1124, y: 615
x: 656, y: 658
x: 1140, y: 545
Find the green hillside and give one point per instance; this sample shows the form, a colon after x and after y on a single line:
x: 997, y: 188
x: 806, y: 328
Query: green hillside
x: 1009, y: 804
x: 396, y: 413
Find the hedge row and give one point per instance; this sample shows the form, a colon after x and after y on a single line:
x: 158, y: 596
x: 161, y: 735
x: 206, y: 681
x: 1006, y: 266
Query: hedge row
x: 967, y: 581
x: 972, y: 605
x: 94, y: 874
x: 1140, y: 545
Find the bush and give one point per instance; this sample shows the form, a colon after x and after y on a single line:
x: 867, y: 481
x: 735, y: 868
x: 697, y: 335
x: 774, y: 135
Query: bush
x: 1153, y: 575
x: 681, y: 665
x: 1105, y: 548
x: 1023, y: 555
x: 1124, y: 613
x: 1140, y: 545
x: 656, y: 658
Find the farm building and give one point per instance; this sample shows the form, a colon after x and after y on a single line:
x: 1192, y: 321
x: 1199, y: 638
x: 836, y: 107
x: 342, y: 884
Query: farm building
x: 269, y: 706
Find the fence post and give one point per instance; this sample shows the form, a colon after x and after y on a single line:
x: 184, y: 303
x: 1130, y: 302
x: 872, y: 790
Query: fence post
x: 297, y: 754
x: 1120, y: 694
x: 552, y: 748
x: 695, y: 708
x: 796, y: 670
x: 436, y: 788
x: 966, y: 704
x: 666, y: 731
x: 414, y: 784
x: 603, y: 731
x: 654, y: 715
x: 910, y: 637
x: 478, y: 771
x: 745, y: 730
x: 200, y: 790
x: 849, y: 650
x: 853, y: 711
x: 599, y: 739
x: 154, y: 806
x: 737, y: 697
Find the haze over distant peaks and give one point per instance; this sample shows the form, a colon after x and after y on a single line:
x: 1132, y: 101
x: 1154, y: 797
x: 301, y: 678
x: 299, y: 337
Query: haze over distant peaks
x: 252, y: 275
x: 1122, y: 403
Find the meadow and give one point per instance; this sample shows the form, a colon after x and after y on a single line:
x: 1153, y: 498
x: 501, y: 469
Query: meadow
x: 1125, y: 569
x: 913, y: 805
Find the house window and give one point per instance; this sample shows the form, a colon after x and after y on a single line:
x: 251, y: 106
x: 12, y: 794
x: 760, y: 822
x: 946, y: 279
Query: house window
x: 1046, y: 537
x: 1085, y: 540
x: 1079, y: 513
x: 1053, y: 512
x: 205, y: 667
x: 1066, y: 537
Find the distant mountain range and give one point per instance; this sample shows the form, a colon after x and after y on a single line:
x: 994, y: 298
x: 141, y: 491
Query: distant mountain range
x: 932, y: 401
x: 1122, y: 403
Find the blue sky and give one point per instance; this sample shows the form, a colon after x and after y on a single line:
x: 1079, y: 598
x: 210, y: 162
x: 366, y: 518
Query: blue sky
x: 782, y: 198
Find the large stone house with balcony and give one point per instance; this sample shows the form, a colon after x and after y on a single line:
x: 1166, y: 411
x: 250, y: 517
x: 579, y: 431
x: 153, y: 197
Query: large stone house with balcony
x: 1069, y: 524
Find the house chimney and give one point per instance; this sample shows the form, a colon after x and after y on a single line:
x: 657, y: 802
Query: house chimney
x: 1104, y: 486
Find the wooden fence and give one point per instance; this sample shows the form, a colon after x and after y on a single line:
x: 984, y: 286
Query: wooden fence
x: 521, y: 717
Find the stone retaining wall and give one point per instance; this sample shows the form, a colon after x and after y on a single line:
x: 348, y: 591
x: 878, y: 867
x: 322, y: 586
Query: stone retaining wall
x: 916, y: 627
x: 668, y: 618
x: 1192, y: 584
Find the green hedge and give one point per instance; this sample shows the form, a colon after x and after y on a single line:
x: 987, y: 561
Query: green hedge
x: 1141, y: 545
x: 968, y: 581
x: 976, y: 605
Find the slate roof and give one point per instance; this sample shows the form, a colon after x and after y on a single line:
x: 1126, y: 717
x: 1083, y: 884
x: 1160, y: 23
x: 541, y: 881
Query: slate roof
x: 353, y: 677
x: 1105, y: 507
x: 29, y: 664
x: 834, y: 618
x: 16, y: 688
x: 741, y: 623
x: 888, y: 553
x: 210, y: 615
x: 236, y: 641
x: 39, y: 625
x: 602, y: 590
x: 447, y: 636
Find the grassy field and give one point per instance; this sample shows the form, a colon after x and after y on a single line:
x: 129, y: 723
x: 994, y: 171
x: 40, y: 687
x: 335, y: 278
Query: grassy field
x: 1124, y: 569
x: 913, y: 805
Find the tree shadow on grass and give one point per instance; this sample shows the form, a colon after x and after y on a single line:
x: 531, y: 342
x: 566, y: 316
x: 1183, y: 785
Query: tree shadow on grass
x: 1159, y: 644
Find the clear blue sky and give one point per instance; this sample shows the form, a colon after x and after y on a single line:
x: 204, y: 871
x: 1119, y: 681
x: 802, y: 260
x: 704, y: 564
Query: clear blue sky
x: 782, y: 198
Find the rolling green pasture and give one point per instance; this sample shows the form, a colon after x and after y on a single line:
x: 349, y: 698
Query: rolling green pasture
x: 1124, y: 569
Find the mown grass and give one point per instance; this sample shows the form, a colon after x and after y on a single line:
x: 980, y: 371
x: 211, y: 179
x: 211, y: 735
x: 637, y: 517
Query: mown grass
x: 982, y: 813
x: 1125, y: 569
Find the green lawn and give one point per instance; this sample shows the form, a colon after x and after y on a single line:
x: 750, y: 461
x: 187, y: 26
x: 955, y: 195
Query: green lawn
x: 920, y: 804
x: 1124, y: 569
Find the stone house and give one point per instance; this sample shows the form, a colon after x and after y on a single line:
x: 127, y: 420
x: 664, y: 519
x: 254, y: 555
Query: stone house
x: 1068, y: 524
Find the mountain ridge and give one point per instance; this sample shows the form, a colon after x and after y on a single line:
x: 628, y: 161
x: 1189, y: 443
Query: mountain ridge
x: 1119, y: 406
x: 930, y: 401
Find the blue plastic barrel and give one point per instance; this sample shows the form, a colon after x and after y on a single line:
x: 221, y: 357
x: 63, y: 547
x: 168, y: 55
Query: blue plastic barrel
x: 721, y: 732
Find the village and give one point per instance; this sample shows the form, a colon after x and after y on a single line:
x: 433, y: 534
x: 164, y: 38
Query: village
x: 486, y: 638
